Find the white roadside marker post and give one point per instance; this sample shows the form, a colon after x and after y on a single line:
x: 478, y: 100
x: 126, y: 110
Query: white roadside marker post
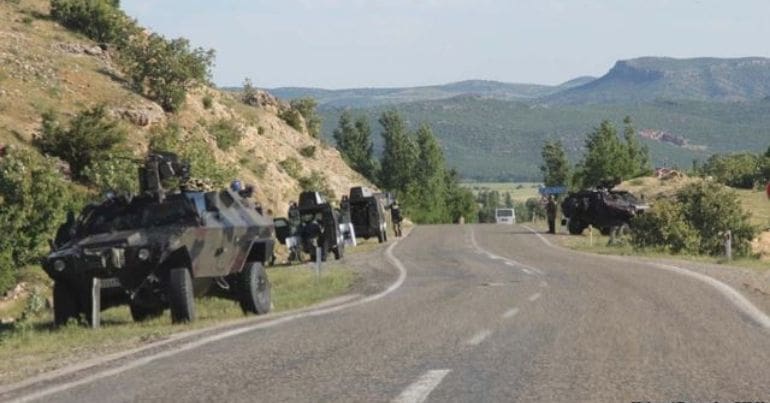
x: 318, y: 252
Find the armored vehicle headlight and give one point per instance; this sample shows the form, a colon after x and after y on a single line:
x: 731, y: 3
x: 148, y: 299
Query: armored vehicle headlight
x: 59, y: 265
x: 143, y: 254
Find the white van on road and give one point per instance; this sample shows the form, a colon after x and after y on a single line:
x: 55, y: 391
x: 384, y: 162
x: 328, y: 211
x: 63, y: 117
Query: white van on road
x: 505, y: 216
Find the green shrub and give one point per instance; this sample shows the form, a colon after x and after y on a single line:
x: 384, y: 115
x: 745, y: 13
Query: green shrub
x: 208, y: 101
x: 164, y: 70
x: 307, y: 108
x: 100, y: 20
x: 34, y: 198
x: 90, y: 136
x: 194, y: 149
x: 226, y: 134
x: 316, y: 182
x: 260, y: 130
x: 115, y: 173
x: 711, y: 209
x: 292, y: 118
x: 258, y: 168
x: 308, y: 151
x: 292, y: 167
x: 694, y: 221
x: 665, y: 227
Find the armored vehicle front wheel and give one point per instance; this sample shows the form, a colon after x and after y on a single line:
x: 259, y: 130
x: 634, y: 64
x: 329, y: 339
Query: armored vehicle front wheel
x: 575, y: 227
x: 140, y: 313
x: 180, y: 295
x: 254, y: 289
x: 65, y: 304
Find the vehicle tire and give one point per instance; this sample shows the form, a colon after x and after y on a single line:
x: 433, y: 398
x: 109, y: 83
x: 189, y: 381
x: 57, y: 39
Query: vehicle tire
x: 180, y: 295
x: 65, y: 304
x: 140, y: 313
x: 254, y: 289
x: 605, y: 230
x: 575, y: 227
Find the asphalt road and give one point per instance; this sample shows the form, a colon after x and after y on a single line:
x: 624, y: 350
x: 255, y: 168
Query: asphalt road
x: 486, y: 313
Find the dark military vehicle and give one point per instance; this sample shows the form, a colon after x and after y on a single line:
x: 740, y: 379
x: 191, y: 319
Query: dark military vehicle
x: 163, y: 247
x: 601, y: 208
x: 368, y: 214
x: 319, y: 227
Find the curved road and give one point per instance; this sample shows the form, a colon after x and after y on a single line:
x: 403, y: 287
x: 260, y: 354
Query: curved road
x: 486, y: 313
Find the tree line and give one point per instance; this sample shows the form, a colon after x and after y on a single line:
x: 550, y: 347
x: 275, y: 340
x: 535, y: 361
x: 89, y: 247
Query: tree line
x: 412, y: 166
x: 607, y: 161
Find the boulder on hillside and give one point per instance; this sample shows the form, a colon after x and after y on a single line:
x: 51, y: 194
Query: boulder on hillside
x: 142, y: 116
x: 264, y: 100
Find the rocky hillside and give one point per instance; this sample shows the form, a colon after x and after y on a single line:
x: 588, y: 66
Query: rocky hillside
x: 44, y: 67
x: 651, y: 78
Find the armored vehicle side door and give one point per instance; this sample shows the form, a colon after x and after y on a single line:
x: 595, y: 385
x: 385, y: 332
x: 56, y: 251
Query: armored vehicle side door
x: 207, y: 254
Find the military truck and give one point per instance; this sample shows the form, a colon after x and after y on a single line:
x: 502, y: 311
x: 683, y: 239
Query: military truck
x: 601, y: 208
x: 161, y: 248
x: 368, y: 213
x: 320, y: 227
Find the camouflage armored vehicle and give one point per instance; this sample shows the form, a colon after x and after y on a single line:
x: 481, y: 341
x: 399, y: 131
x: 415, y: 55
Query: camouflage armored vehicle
x: 320, y: 226
x: 367, y: 213
x: 600, y: 208
x: 161, y: 248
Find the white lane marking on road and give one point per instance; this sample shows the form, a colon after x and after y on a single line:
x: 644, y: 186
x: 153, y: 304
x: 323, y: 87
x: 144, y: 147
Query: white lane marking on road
x: 421, y: 388
x: 39, y: 394
x: 510, y: 313
x: 478, y: 337
x: 728, y: 292
x: 534, y: 297
x: 510, y: 262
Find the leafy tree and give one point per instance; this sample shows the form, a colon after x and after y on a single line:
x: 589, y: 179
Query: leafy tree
x: 427, y: 192
x: 740, y: 170
x: 399, y: 155
x: 307, y: 108
x: 249, y: 94
x: 508, y: 200
x: 91, y: 136
x: 164, y: 70
x: 459, y: 200
x: 606, y: 160
x: 355, y: 144
x: 555, y: 166
x: 638, y: 154
x: 34, y: 198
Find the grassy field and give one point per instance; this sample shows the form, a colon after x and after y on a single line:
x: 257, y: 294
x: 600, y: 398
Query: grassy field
x: 34, y: 346
x: 520, y: 191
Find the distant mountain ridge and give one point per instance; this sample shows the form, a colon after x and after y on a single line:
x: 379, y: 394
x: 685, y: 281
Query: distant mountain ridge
x: 653, y: 78
x: 366, y: 97
x: 684, y: 109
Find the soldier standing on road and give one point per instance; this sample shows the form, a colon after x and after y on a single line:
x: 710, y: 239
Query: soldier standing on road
x: 550, y: 211
x: 395, y: 216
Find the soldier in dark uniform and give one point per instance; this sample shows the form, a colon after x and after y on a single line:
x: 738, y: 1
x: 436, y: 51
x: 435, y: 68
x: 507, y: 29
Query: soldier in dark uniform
x: 550, y: 211
x: 395, y: 216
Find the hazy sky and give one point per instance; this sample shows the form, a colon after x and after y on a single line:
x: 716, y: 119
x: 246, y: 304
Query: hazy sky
x: 376, y: 43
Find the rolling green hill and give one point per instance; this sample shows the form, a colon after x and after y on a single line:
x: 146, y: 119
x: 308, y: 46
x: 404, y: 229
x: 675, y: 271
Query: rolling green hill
x: 488, y: 139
